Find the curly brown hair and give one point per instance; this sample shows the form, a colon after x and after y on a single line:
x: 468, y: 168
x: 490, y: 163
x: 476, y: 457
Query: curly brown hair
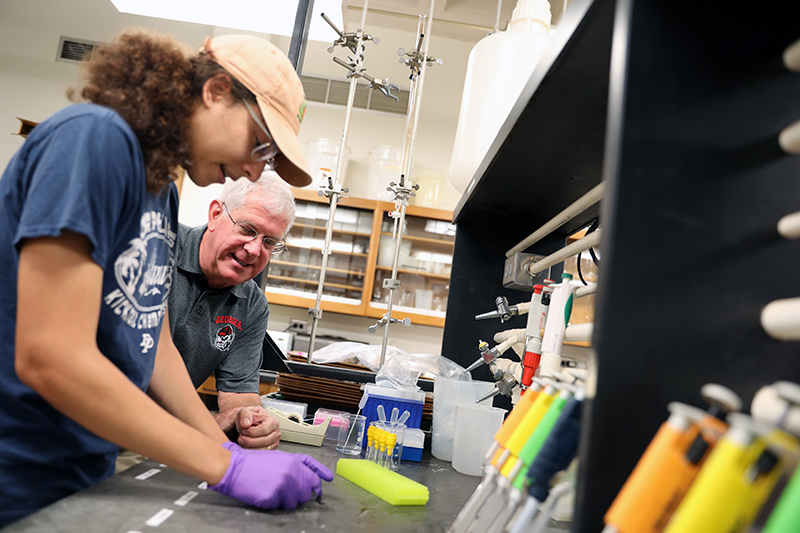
x: 204, y: 68
x: 147, y: 79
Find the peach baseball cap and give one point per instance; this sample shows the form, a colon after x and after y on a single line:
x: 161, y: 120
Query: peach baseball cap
x: 267, y: 73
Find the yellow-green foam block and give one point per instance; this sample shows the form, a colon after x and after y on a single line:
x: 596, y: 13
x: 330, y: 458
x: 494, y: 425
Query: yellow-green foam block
x: 382, y: 482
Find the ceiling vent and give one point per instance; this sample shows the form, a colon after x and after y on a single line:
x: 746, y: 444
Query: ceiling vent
x: 335, y: 92
x: 75, y: 50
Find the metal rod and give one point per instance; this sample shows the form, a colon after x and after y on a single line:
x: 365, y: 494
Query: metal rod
x: 578, y: 207
x: 334, y: 197
x: 497, y: 15
x: 591, y: 240
x: 297, y: 46
x: 332, y: 25
x: 412, y: 120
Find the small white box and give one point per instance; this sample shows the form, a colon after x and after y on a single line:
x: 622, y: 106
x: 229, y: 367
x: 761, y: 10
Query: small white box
x: 286, y: 407
x: 282, y: 339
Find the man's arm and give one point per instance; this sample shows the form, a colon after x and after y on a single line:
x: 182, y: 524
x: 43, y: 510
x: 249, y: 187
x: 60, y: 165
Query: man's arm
x: 234, y: 400
x: 243, y: 411
x: 59, y: 298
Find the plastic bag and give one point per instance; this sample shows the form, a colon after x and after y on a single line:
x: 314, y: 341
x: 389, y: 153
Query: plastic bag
x: 401, y: 370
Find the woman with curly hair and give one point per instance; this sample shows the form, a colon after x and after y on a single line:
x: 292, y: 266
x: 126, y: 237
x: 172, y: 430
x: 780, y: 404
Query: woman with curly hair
x: 88, y: 220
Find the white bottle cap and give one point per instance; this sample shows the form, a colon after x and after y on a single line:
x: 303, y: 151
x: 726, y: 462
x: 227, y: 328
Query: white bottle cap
x: 531, y: 15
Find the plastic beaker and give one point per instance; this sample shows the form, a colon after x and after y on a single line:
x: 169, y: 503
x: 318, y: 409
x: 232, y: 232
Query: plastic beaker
x: 351, y: 434
x: 446, y: 394
x: 475, y: 427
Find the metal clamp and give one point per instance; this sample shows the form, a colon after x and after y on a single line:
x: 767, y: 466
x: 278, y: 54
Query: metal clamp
x: 349, y: 39
x: 391, y: 284
x: 415, y: 58
x: 332, y: 190
x: 383, y: 321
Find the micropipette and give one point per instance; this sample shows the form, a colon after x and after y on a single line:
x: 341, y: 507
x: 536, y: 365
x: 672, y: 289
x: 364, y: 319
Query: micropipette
x: 537, y: 317
x: 734, y: 482
x: 784, y: 517
x: 496, y: 450
x: 557, y: 320
x: 516, y: 470
x: 670, y: 463
x: 556, y: 454
x: 494, y: 503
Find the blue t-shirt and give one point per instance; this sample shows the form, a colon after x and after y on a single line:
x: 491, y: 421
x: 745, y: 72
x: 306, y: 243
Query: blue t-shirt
x: 81, y: 170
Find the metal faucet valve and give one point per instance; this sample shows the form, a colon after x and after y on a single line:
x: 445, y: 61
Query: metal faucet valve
x: 504, y: 311
x: 504, y: 387
x: 488, y: 356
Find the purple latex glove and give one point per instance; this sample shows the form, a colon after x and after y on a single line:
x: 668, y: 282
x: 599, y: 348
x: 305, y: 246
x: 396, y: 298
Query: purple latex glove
x: 271, y: 479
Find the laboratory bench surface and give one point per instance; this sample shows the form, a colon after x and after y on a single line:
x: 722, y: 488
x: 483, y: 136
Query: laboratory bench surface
x: 124, y: 504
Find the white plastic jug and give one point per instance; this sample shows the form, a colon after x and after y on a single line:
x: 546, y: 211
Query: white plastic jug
x: 322, y: 156
x: 499, y: 67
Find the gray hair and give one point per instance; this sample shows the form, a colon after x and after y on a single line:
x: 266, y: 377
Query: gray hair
x: 273, y: 194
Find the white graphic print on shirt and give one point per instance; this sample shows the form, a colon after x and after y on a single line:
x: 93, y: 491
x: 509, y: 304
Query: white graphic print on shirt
x: 144, y: 274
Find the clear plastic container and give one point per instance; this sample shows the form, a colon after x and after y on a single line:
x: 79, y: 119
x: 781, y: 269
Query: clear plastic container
x: 384, y: 167
x: 446, y: 394
x: 475, y: 427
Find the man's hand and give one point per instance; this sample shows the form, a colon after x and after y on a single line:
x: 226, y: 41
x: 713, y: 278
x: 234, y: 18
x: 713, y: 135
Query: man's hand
x: 257, y: 429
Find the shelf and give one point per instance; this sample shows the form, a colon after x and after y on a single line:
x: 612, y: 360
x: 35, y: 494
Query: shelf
x: 314, y: 249
x: 376, y: 213
x: 420, y: 239
x: 316, y: 267
x: 315, y: 282
x: 335, y: 231
x: 441, y: 277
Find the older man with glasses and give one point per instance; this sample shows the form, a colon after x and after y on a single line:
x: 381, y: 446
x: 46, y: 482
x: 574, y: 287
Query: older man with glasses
x: 217, y: 314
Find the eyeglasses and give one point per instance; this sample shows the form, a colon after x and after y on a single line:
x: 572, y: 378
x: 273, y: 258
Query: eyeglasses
x: 273, y: 246
x: 268, y: 150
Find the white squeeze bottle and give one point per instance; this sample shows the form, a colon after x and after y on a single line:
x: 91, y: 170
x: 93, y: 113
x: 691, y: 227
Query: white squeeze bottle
x: 499, y: 67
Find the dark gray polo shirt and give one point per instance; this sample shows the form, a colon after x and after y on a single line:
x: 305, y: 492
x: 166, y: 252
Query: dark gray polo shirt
x: 219, y: 331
